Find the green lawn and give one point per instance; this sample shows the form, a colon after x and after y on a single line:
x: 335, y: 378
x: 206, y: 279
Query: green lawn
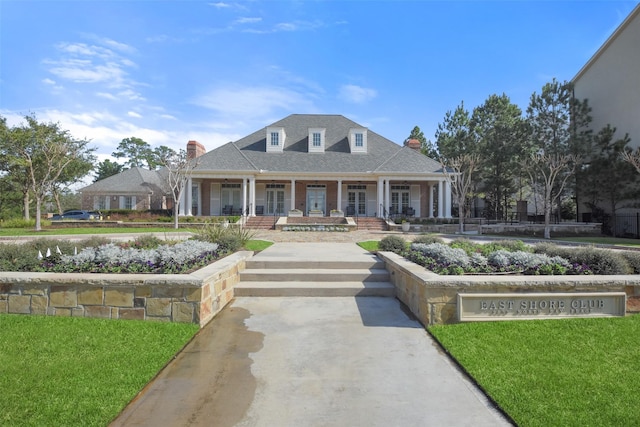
x: 9, y: 232
x: 257, y: 245
x: 58, y: 371
x: 369, y: 245
x: 574, y: 372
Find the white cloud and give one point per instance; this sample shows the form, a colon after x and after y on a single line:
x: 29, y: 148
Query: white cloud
x: 134, y: 115
x: 246, y: 20
x: 106, y: 95
x: 48, y: 82
x: 167, y: 117
x: 253, y: 101
x: 220, y: 5
x: 357, y: 94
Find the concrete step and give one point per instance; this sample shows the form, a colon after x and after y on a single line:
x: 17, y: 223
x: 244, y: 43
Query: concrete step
x: 314, y: 275
x: 309, y: 264
x: 314, y: 289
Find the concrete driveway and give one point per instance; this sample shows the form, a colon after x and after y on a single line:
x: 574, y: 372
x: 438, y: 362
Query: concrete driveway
x: 299, y: 361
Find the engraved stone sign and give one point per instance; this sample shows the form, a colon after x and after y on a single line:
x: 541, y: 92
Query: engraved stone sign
x: 516, y: 306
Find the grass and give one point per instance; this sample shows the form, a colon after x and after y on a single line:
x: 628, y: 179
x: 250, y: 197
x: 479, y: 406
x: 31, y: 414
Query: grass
x: 369, y: 245
x: 257, y: 245
x: 77, y: 371
x: 574, y: 372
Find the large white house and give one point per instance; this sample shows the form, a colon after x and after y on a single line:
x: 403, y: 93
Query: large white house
x: 317, y: 163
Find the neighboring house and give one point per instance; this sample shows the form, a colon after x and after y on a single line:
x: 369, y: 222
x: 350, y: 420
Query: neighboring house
x: 316, y: 164
x: 610, y: 80
x: 135, y: 188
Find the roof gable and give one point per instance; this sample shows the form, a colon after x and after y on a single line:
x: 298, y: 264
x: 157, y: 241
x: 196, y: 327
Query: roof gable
x: 249, y: 153
x: 134, y: 180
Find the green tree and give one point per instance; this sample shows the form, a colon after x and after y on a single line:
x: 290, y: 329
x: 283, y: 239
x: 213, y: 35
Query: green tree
x: 609, y: 178
x: 46, y: 153
x: 137, y: 152
x: 560, y: 138
x: 107, y: 168
x: 453, y: 136
x: 501, y: 135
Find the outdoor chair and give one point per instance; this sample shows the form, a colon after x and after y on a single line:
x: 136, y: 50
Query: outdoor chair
x: 351, y: 210
x: 260, y: 210
x: 227, y: 210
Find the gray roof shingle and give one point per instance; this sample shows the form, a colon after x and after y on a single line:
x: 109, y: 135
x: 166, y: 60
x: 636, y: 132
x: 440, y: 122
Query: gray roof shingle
x: 249, y: 153
x: 134, y: 180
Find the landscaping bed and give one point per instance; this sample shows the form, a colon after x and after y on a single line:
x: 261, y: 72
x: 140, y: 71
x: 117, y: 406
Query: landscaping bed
x: 463, y: 256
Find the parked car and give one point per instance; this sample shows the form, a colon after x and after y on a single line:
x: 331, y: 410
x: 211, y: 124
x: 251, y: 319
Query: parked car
x: 77, y: 215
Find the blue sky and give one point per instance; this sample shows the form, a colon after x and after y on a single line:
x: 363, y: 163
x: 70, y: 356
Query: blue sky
x: 171, y: 71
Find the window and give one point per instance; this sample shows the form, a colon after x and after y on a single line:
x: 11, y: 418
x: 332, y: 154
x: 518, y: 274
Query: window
x: 359, y: 140
x: 128, y: 202
x: 316, y: 140
x: 275, y: 138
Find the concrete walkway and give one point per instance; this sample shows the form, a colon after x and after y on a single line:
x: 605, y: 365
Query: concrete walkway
x: 321, y: 361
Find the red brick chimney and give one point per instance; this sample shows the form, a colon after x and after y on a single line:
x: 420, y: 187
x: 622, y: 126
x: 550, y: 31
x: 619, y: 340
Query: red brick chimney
x: 195, y: 149
x: 412, y: 143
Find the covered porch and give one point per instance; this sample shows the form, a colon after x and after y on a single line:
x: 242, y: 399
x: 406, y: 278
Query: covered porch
x: 318, y: 196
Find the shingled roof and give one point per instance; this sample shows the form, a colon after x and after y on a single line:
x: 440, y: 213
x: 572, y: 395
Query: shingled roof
x: 130, y: 181
x: 249, y: 153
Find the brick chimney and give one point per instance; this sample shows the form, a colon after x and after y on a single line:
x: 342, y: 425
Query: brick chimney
x: 195, y: 149
x: 413, y: 144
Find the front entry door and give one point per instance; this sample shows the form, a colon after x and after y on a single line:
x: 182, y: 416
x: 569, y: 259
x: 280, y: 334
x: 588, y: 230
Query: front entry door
x: 316, y: 197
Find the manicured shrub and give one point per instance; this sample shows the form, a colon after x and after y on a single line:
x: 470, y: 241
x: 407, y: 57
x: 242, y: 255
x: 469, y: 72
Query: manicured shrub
x: 510, y: 245
x: 392, y: 243
x: 633, y: 259
x: 598, y: 261
x: 427, y: 239
x: 18, y: 223
x: 230, y: 238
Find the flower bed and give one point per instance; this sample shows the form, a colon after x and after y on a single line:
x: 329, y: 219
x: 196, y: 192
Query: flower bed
x: 465, y: 257
x: 113, y: 258
x: 315, y: 227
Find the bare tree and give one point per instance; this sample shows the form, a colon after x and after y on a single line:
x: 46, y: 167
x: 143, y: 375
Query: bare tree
x: 179, y: 169
x: 459, y: 174
x: 633, y: 158
x: 553, y: 171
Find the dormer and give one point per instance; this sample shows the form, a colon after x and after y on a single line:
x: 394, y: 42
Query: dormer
x: 275, y: 139
x: 316, y: 140
x: 358, y: 140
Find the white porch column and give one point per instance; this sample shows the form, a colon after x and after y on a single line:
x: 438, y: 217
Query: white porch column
x: 189, y: 195
x: 380, y: 197
x: 252, y: 195
x: 440, y: 200
x: 430, y: 193
x: 447, y: 200
x: 293, y: 194
x: 244, y: 197
x: 387, y: 195
x: 339, y: 201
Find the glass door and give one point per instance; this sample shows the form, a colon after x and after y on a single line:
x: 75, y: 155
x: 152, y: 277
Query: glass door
x: 316, y: 197
x: 275, y: 202
x: 358, y: 200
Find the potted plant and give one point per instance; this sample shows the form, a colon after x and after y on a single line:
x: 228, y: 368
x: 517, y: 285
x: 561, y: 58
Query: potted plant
x: 336, y: 213
x: 295, y: 212
x: 406, y: 225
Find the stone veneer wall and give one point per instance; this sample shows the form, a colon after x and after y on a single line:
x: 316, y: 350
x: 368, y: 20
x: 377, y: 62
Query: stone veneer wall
x: 189, y: 298
x: 433, y: 298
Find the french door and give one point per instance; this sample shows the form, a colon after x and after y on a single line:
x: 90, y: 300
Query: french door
x: 316, y: 197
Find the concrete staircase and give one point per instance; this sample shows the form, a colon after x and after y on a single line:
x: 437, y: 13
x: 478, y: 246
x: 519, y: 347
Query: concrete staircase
x: 261, y: 222
x: 371, y: 224
x: 282, y: 278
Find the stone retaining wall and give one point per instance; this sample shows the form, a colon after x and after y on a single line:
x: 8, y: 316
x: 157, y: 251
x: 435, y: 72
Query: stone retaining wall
x: 433, y: 298
x: 190, y: 298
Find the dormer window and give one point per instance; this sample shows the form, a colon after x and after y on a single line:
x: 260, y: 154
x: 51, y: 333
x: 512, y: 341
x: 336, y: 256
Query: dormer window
x: 275, y: 139
x: 316, y: 140
x: 358, y: 140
